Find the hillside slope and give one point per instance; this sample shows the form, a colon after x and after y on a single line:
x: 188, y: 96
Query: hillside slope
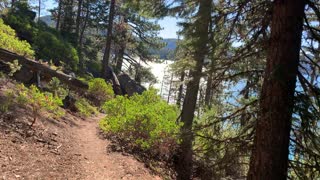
x: 65, y: 148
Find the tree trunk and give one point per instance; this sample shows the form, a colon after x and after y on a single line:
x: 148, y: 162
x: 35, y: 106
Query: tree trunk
x: 123, y: 43
x: 269, y: 158
x: 39, y: 11
x: 81, y: 60
x: 59, y: 15
x: 105, y: 61
x: 170, y: 88
x: 137, y: 76
x: 180, y: 92
x: 78, y: 19
x: 184, y: 166
x: 208, y: 94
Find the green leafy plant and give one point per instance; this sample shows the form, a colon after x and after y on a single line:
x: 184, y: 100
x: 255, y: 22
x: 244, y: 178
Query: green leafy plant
x: 7, y: 102
x: 85, y: 108
x: 100, y: 91
x: 14, y: 67
x: 51, y: 47
x: 56, y: 87
x: 145, y: 121
x: 9, y: 41
x: 39, y: 101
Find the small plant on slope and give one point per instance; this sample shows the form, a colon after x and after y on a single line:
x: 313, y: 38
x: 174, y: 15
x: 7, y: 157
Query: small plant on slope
x: 39, y: 101
x: 56, y: 87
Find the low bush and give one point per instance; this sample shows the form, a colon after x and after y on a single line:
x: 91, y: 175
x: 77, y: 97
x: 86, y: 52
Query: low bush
x: 9, y: 41
x: 39, y: 101
x: 144, y: 121
x: 56, y: 87
x: 100, y: 91
x: 85, y: 108
x: 7, y: 101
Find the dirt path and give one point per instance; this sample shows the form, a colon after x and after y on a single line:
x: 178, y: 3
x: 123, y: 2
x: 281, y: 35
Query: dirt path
x: 66, y: 149
x: 98, y: 163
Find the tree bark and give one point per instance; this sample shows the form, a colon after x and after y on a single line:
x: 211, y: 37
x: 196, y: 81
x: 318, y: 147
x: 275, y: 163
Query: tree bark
x: 106, y: 55
x: 184, y: 166
x: 269, y: 158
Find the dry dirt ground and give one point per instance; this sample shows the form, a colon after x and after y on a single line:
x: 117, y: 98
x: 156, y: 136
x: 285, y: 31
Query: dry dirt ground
x: 66, y: 148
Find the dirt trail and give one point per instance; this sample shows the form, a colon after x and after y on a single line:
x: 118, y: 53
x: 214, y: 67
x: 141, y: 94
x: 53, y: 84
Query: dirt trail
x: 60, y: 148
x: 98, y: 163
x: 69, y: 148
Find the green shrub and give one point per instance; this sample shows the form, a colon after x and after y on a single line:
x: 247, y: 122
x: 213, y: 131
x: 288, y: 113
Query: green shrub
x: 39, y: 101
x: 21, y: 18
x: 57, y: 89
x: 9, y: 41
x: 84, y: 107
x: 7, y: 102
x: 100, y: 91
x: 49, y: 47
x: 48, y: 43
x: 2, y: 75
x: 145, y: 121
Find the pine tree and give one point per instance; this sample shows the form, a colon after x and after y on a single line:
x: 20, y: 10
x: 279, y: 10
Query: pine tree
x: 271, y: 145
x: 199, y: 43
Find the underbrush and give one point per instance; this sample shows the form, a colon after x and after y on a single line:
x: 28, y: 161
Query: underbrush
x: 32, y: 97
x: 144, y: 123
x: 99, y: 91
x: 84, y: 108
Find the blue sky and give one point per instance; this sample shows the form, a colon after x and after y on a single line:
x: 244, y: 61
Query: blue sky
x: 169, y: 24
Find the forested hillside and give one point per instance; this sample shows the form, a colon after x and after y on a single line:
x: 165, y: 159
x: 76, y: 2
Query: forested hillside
x: 239, y: 100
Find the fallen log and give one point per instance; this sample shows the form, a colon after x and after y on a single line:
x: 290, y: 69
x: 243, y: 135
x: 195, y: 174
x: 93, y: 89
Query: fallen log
x: 45, y: 70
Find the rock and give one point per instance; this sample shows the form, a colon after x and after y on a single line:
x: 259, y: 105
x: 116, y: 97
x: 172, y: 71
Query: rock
x: 130, y: 86
x: 69, y: 103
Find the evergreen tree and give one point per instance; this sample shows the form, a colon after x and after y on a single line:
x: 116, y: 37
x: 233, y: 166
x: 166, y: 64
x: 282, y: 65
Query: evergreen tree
x: 198, y: 35
x: 271, y: 145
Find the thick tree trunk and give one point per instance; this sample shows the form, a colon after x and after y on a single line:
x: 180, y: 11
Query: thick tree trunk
x: 106, y: 55
x: 184, y: 166
x: 269, y: 158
